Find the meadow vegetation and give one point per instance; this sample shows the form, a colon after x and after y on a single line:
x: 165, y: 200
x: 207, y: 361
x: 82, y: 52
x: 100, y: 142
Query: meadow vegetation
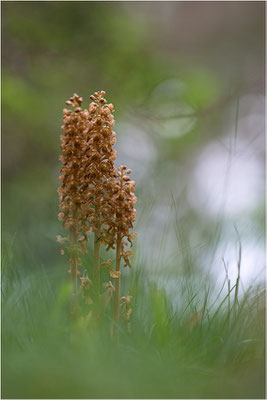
x: 185, y: 318
x: 196, y: 350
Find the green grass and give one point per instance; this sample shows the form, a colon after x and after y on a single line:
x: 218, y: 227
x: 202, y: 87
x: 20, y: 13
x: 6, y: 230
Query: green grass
x: 46, y: 355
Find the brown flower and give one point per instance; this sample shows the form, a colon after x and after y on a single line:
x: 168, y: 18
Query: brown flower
x: 120, y: 213
x: 87, y: 167
x: 94, y: 195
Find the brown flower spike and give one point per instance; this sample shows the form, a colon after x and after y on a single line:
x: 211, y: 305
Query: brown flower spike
x: 88, y: 162
x: 94, y: 196
x: 71, y: 195
x: 118, y: 221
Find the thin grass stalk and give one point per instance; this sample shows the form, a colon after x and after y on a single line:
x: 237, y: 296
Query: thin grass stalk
x: 238, y: 267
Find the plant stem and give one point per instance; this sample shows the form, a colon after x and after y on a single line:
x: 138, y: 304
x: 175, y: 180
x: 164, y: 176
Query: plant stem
x: 73, y: 261
x: 96, y: 273
x: 73, y: 269
x: 73, y: 272
x: 117, y: 288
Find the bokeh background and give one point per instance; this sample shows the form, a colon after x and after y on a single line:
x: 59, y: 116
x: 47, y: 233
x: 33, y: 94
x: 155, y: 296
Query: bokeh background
x: 187, y: 81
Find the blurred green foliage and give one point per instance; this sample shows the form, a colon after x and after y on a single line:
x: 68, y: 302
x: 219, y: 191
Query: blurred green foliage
x: 167, y: 355
x: 50, y: 50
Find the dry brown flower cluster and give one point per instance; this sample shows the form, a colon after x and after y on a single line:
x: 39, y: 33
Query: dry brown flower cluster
x: 95, y: 196
x: 120, y: 212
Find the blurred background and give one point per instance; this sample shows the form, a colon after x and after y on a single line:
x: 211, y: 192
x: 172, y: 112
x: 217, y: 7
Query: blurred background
x: 187, y: 82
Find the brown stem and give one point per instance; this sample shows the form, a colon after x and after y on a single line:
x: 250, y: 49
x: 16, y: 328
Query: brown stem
x: 96, y: 273
x: 73, y: 270
x: 117, y: 288
x: 73, y: 260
